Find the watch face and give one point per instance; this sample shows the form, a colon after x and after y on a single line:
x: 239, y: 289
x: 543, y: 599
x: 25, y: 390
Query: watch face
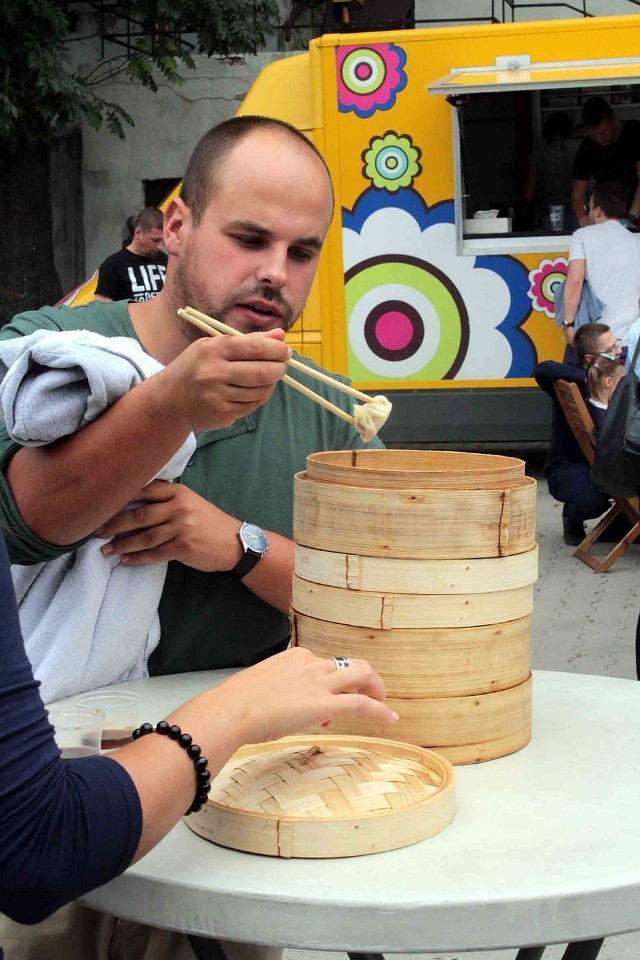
x: 254, y: 538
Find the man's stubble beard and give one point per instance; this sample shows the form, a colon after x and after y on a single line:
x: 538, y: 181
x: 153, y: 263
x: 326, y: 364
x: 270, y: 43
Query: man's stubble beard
x: 189, y: 292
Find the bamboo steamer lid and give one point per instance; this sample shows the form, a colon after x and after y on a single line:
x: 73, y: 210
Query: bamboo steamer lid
x: 414, y: 523
x: 327, y: 796
x: 413, y: 469
x: 394, y: 575
x: 428, y: 663
x: 463, y: 729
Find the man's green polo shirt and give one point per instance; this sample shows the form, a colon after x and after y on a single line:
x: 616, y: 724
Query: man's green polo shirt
x: 208, y: 620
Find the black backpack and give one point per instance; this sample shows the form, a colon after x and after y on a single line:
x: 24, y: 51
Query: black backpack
x: 616, y: 467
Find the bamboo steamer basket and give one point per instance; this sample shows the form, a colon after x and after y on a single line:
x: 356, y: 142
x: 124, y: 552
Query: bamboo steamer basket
x: 428, y: 663
x: 423, y: 562
x: 414, y: 523
x: 327, y: 796
x: 463, y: 729
x: 416, y: 469
x: 395, y: 610
x: 381, y: 574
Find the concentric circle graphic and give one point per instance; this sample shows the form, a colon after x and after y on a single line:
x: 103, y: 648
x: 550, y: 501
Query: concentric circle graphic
x: 550, y: 283
x: 363, y: 71
x: 405, y: 319
x: 392, y: 163
x: 394, y: 330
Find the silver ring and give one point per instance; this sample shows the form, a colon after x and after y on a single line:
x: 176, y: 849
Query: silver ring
x: 341, y: 662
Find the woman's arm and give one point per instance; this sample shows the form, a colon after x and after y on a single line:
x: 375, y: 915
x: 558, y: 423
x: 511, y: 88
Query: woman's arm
x: 66, y: 828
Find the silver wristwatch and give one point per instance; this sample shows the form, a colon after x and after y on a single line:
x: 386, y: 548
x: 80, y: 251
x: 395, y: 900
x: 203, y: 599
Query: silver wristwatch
x: 254, y: 542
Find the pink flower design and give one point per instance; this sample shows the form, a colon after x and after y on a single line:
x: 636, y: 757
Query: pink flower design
x: 544, y: 281
x: 369, y: 78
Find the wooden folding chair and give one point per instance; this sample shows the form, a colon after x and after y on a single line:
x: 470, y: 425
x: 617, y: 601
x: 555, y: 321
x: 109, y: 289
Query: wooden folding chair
x: 577, y: 416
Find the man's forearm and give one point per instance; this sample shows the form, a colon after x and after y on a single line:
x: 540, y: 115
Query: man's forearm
x: 270, y: 579
x: 65, y: 491
x: 572, y: 292
x: 578, y: 196
x: 634, y: 209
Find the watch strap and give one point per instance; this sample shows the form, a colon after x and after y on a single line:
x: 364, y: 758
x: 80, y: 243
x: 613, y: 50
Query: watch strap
x: 245, y: 565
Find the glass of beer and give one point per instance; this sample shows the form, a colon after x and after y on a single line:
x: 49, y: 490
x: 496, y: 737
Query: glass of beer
x: 120, y: 709
x: 77, y: 731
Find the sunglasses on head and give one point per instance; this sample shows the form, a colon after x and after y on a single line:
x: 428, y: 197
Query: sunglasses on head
x: 610, y: 356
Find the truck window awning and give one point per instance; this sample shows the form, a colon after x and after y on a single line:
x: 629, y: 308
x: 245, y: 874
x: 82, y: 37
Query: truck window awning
x: 537, y: 76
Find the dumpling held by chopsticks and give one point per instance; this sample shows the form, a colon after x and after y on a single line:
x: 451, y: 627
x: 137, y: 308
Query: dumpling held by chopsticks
x: 371, y: 416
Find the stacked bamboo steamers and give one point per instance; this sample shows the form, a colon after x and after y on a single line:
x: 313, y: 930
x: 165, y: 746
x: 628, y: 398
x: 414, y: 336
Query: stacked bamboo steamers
x: 423, y: 562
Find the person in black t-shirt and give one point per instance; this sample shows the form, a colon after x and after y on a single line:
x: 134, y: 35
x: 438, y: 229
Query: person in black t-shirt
x: 610, y: 151
x: 137, y: 271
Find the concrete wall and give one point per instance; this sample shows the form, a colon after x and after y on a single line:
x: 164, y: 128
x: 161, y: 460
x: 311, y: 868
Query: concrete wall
x: 167, y: 126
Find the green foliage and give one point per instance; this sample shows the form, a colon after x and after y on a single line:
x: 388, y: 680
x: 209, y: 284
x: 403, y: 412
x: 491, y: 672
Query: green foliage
x: 40, y: 93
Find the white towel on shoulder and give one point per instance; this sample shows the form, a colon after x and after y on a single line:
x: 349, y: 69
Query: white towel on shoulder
x: 87, y: 620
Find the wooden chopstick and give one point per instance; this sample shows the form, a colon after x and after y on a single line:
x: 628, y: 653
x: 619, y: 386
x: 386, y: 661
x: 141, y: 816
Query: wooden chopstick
x: 195, y: 318
x: 302, y: 367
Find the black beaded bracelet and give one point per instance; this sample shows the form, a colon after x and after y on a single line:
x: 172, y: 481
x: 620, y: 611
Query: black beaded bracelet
x: 193, y: 751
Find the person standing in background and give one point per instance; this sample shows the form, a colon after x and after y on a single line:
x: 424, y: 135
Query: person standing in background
x: 137, y: 272
x: 610, y: 151
x: 607, y: 255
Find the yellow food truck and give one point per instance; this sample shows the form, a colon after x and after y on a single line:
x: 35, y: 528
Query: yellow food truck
x: 436, y: 286
x: 417, y: 297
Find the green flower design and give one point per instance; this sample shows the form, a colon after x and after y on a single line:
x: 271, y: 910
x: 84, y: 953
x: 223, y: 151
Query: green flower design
x: 391, y: 162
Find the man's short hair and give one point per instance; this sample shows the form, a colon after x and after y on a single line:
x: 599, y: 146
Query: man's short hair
x: 611, y: 197
x: 595, y: 110
x: 586, y: 339
x: 149, y: 219
x: 212, y: 149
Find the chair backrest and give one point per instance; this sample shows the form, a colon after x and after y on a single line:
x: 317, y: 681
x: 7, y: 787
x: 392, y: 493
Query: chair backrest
x: 577, y: 416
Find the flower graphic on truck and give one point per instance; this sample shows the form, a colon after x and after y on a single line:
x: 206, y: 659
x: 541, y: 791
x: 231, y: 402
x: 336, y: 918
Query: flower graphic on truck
x: 391, y: 162
x: 545, y: 280
x: 369, y: 78
x: 417, y: 311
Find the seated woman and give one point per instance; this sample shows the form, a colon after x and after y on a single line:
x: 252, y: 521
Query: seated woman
x: 603, y: 377
x: 66, y: 828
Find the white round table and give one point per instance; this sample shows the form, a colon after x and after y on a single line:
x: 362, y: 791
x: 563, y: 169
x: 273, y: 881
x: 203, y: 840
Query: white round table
x: 545, y: 848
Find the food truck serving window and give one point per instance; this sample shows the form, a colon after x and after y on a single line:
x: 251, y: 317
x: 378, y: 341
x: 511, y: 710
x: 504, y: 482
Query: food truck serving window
x: 517, y: 126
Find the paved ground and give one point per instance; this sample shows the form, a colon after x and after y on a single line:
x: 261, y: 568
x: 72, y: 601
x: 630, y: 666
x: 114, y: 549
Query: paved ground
x: 582, y: 622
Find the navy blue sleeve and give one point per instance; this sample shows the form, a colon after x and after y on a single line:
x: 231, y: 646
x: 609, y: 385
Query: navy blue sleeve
x: 547, y: 372
x: 65, y: 828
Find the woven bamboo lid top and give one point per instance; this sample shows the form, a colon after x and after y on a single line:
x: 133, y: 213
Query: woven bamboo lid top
x: 415, y: 469
x: 326, y: 782
x: 318, y: 796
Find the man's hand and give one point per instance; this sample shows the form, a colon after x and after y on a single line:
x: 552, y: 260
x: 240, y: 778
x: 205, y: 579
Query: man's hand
x: 215, y: 381
x: 171, y: 522
x: 569, y: 333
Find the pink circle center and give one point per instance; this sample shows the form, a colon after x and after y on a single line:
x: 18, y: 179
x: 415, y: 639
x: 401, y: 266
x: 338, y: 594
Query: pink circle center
x: 363, y: 71
x: 394, y: 330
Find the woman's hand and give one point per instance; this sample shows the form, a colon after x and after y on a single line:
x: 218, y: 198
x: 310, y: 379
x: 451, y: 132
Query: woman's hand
x: 286, y: 694
x: 295, y: 690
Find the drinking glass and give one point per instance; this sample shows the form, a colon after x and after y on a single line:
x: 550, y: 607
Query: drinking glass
x: 77, y: 731
x: 556, y: 217
x: 120, y: 708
